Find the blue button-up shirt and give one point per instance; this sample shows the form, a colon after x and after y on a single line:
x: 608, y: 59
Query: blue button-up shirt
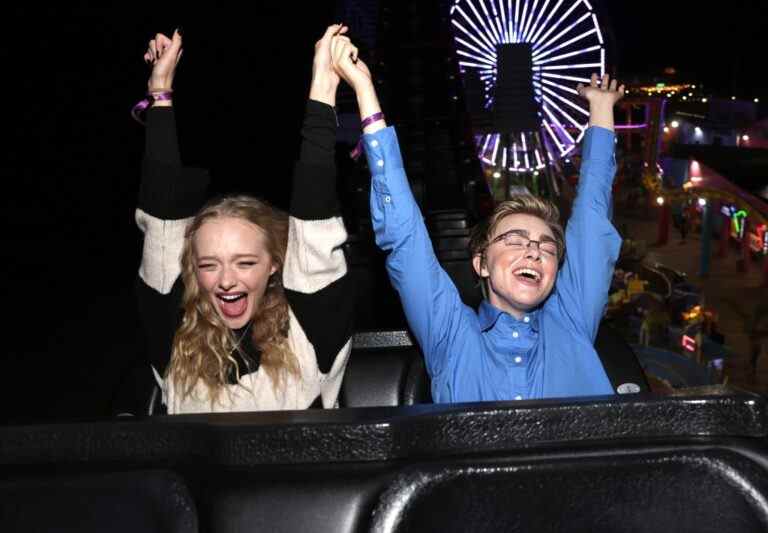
x: 489, y: 354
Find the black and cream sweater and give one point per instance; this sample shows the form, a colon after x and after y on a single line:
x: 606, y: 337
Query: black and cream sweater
x: 318, y: 289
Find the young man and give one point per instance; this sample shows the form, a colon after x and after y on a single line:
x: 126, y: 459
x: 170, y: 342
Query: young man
x: 533, y: 336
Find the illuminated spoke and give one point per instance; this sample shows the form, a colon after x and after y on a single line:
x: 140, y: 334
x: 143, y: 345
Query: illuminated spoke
x: 557, y: 24
x: 569, y: 54
x: 561, y: 87
x: 556, y: 38
x: 545, y: 53
x: 562, y: 77
x: 544, y: 26
x: 535, y: 25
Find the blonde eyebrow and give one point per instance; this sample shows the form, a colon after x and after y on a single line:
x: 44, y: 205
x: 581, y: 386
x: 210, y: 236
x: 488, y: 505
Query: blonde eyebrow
x: 235, y: 257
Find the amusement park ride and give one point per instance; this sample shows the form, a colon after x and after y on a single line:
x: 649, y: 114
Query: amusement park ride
x: 521, y: 61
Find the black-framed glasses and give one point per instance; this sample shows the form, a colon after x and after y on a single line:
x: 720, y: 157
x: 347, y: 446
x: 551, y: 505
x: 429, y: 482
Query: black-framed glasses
x: 515, y: 240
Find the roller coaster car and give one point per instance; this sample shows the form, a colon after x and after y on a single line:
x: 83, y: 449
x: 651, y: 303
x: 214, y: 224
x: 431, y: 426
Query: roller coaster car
x: 625, y: 463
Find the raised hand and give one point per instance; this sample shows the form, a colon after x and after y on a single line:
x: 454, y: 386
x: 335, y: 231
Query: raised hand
x: 602, y: 96
x: 163, y: 55
x: 603, y: 92
x: 325, y: 80
x: 348, y: 65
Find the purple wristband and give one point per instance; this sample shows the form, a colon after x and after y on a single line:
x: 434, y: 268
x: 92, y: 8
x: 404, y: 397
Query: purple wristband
x: 159, y: 96
x: 355, y: 154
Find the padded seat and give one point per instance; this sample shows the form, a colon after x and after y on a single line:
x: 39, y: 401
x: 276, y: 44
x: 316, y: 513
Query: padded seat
x: 385, y: 368
x: 150, y: 500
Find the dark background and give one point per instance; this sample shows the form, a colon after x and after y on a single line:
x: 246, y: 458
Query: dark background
x: 71, y: 152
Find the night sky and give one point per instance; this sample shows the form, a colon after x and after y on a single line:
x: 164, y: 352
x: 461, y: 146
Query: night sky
x: 720, y: 44
x: 71, y: 152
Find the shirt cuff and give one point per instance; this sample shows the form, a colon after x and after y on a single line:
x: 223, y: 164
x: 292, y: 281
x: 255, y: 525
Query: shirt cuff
x: 598, y: 144
x: 382, y: 151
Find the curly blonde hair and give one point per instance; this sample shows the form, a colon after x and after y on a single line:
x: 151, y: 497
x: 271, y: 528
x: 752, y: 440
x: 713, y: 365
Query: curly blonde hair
x: 203, y: 344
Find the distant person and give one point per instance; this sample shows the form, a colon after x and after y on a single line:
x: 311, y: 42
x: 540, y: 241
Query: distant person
x: 235, y: 297
x: 546, y: 289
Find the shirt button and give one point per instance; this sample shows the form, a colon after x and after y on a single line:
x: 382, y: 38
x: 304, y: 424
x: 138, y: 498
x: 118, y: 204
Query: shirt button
x: 518, y: 359
x: 380, y: 162
x: 515, y: 334
x: 374, y: 143
x: 387, y: 199
x: 518, y: 397
x: 527, y: 319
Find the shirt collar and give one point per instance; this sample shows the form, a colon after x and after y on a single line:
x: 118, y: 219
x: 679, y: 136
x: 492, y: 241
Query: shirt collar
x: 489, y: 315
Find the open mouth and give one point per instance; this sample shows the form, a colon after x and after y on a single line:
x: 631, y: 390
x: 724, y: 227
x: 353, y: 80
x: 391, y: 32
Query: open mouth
x: 233, y: 305
x: 528, y: 276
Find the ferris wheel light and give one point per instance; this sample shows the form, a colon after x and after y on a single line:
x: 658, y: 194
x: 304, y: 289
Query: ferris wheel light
x: 745, y: 138
x: 675, y: 124
x: 702, y: 202
x: 660, y: 200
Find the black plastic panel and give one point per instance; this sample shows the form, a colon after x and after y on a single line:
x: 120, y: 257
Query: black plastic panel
x: 697, y: 491
x: 379, y: 434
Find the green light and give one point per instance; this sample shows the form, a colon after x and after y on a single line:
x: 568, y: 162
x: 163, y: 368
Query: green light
x: 738, y: 222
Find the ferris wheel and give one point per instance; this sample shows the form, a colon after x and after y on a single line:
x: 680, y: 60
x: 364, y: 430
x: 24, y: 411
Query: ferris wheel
x: 566, y: 46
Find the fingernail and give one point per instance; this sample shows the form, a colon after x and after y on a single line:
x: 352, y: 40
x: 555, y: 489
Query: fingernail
x: 178, y: 30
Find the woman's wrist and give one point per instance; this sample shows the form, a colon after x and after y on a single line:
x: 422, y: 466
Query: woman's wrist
x: 160, y: 96
x: 323, y: 90
x: 162, y: 103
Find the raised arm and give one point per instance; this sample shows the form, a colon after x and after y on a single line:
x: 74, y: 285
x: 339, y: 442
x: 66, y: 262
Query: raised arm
x: 592, y: 243
x: 169, y: 195
x: 318, y: 287
x: 431, y: 301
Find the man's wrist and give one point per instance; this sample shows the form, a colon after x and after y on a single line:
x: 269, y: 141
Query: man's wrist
x: 601, y: 114
x: 367, y: 101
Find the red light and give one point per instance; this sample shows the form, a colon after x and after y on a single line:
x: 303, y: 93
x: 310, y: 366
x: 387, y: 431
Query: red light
x: 689, y: 343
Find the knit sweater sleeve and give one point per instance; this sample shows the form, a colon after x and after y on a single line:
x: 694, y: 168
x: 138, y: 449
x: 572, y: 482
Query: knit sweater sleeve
x: 318, y: 286
x: 169, y: 196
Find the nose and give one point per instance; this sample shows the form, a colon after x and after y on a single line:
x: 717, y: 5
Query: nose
x: 532, y: 250
x: 227, y: 280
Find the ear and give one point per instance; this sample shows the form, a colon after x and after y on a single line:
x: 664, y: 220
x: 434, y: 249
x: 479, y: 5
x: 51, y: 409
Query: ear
x: 478, y: 263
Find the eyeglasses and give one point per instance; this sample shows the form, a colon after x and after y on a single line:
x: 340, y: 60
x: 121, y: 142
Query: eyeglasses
x: 515, y: 241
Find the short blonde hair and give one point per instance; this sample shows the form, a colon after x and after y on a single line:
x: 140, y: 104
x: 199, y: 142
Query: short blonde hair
x: 522, y: 204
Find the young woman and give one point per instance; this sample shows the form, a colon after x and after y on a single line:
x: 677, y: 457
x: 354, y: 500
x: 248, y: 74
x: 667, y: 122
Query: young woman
x: 235, y: 297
